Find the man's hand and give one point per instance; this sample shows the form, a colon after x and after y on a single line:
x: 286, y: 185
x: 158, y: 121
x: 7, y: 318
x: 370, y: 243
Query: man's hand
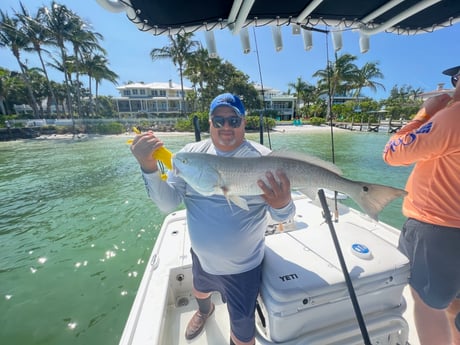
x: 434, y: 104
x: 431, y: 106
x: 143, y: 147
x: 277, y: 195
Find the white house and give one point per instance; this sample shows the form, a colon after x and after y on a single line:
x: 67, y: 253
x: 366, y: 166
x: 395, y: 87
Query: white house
x: 439, y: 90
x: 276, y: 100
x: 156, y: 99
x: 161, y: 99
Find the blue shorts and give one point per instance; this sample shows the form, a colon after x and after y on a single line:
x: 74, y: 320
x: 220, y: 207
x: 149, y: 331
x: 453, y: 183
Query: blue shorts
x: 434, y: 254
x: 239, y: 291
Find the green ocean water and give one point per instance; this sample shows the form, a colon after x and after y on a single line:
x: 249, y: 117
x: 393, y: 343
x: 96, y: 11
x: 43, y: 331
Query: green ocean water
x: 77, y: 228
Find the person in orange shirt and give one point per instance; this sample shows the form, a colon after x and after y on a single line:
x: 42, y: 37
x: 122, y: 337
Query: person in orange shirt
x: 430, y: 237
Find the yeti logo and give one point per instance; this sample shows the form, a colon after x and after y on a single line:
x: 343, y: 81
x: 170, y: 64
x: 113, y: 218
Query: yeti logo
x: 289, y: 277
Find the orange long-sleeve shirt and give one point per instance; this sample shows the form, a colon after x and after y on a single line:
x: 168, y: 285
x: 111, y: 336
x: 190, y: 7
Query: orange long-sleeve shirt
x: 434, y: 185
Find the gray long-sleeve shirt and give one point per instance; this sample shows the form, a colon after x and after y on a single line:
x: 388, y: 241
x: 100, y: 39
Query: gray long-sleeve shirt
x: 226, y: 239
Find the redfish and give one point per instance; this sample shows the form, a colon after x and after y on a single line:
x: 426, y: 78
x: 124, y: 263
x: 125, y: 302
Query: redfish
x: 235, y: 177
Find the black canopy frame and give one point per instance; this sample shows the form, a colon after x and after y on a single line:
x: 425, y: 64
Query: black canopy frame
x: 369, y: 16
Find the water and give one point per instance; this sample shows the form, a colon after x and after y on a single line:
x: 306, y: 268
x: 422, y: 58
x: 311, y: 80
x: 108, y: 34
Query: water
x: 76, y: 229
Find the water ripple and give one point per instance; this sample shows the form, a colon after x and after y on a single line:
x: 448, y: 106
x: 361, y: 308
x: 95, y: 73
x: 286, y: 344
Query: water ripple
x: 77, y: 229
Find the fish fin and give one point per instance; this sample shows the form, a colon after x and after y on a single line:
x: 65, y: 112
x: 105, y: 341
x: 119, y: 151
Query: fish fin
x: 372, y: 198
x: 224, y: 191
x: 308, y: 159
x: 239, y: 201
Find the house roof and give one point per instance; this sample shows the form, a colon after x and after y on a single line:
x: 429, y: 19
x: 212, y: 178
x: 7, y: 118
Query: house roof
x: 440, y: 90
x: 369, y: 16
x: 153, y: 86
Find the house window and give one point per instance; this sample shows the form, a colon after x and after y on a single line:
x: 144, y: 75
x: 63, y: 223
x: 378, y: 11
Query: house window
x: 123, y: 106
x: 127, y: 92
x: 142, y: 91
x: 135, y: 91
x: 136, y: 105
x: 173, y: 105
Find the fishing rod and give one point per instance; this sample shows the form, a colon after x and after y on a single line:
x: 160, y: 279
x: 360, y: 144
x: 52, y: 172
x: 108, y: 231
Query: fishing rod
x: 351, y: 290
x: 261, y: 115
x: 329, y: 115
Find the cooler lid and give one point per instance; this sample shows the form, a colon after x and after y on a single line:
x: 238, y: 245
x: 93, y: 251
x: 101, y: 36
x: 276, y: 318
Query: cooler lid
x: 304, y: 263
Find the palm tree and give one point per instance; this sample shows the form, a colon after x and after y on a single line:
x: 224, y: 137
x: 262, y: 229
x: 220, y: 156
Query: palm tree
x: 12, y: 37
x: 60, y: 91
x: 364, y: 78
x: 59, y: 20
x: 66, y: 69
x: 197, y: 70
x: 84, y: 41
x: 38, y: 36
x: 39, y: 87
x: 337, y: 78
x: 415, y: 93
x: 300, y: 87
x: 95, y: 67
x: 4, y: 74
x: 180, y: 48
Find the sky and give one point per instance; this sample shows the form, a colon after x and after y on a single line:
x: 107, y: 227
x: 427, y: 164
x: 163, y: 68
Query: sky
x: 415, y: 60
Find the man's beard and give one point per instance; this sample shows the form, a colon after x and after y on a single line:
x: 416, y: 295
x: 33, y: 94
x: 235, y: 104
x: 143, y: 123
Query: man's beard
x: 226, y: 141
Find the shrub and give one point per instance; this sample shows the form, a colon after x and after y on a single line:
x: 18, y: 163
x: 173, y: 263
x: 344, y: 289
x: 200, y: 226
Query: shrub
x: 107, y: 128
x: 253, y: 122
x: 186, y: 125
x: 316, y: 121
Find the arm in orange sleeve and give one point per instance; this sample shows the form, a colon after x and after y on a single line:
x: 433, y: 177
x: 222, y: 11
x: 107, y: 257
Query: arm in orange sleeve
x: 396, y: 150
x: 420, y: 140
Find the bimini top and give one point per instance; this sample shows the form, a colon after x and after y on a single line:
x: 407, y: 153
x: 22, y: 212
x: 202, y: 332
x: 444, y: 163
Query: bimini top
x: 369, y: 17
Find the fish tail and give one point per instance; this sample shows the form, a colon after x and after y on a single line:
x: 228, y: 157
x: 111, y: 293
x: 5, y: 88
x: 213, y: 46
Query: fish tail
x: 373, y: 198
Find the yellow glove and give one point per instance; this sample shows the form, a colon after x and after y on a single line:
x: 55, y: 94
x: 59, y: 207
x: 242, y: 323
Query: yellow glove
x: 162, y: 154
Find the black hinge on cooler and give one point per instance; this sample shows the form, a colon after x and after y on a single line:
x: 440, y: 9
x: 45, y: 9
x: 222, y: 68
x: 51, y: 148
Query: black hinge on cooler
x: 261, y: 314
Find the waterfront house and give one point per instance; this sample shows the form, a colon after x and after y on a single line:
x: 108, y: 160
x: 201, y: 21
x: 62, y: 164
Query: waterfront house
x: 278, y: 101
x: 151, y: 100
x: 439, y: 90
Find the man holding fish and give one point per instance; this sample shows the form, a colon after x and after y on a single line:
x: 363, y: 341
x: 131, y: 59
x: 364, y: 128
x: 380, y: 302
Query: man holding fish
x: 227, y: 237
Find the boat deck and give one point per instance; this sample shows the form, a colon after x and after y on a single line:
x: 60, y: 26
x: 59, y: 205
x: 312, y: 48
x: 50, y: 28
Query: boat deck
x: 168, y: 277
x: 217, y: 328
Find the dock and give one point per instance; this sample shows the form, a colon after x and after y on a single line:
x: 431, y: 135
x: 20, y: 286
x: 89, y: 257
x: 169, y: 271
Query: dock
x: 390, y: 126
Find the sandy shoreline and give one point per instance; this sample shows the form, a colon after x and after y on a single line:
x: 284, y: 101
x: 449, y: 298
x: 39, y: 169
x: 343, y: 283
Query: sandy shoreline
x: 276, y: 129
x: 302, y: 128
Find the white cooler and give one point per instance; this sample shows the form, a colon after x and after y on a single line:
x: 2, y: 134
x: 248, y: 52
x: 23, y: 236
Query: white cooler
x: 303, y: 288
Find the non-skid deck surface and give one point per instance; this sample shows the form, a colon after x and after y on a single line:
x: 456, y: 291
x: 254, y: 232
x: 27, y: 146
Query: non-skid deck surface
x: 216, y: 331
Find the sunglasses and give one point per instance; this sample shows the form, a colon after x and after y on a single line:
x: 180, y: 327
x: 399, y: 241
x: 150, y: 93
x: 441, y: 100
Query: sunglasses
x: 454, y: 79
x: 233, y: 121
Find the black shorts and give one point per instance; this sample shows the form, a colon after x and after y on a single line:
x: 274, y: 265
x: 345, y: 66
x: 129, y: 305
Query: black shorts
x: 239, y: 291
x: 434, y: 254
